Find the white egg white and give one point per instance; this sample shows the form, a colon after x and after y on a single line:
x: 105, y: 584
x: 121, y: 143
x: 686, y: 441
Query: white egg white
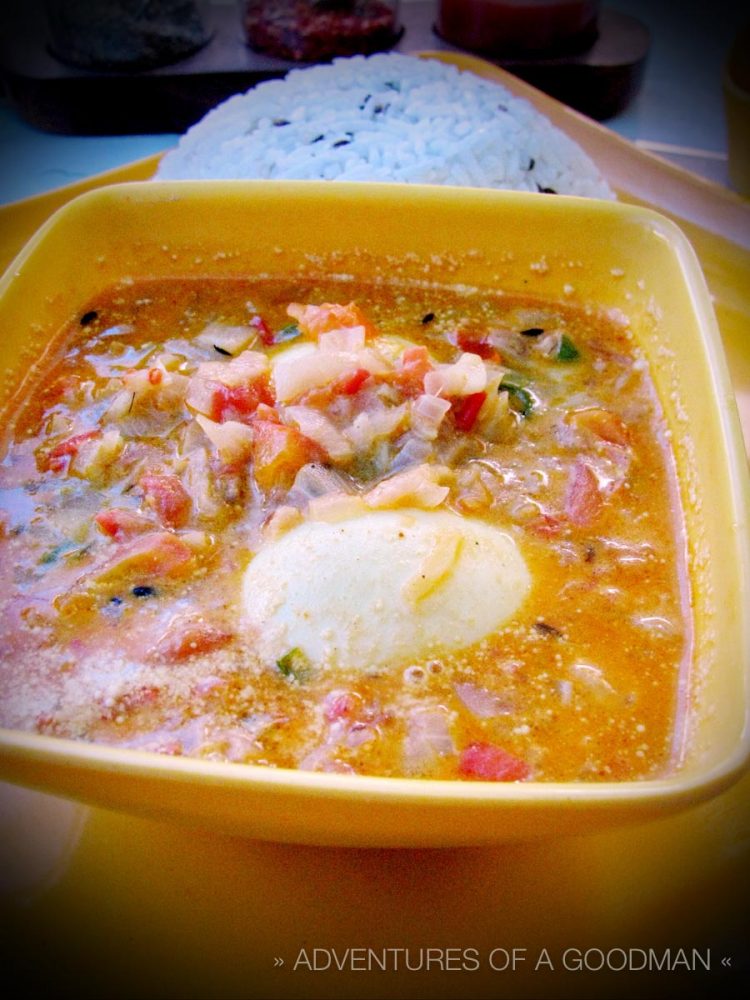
x: 382, y: 589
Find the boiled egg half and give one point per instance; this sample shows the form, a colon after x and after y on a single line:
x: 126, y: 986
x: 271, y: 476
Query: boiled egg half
x: 382, y: 589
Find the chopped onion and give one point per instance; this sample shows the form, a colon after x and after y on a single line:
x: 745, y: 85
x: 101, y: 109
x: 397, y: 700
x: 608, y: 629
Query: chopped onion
x: 314, y: 425
x: 314, y: 480
x: 427, y: 412
x: 335, y: 507
x: 481, y: 702
x: 298, y: 374
x: 119, y: 407
x: 321, y: 759
x: 94, y: 456
x: 655, y: 624
x: 414, y: 452
x: 346, y: 339
x: 201, y: 394
x: 374, y: 425
x: 360, y: 733
x: 227, y: 339
x: 565, y: 690
x: 594, y: 679
x: 419, y: 487
x: 463, y: 378
x: 199, y: 482
x: 282, y: 520
x: 427, y: 738
x: 549, y: 344
x: 165, y: 393
x: 495, y: 420
x: 232, y: 440
x: 255, y: 723
x: 373, y: 361
x: 243, y: 369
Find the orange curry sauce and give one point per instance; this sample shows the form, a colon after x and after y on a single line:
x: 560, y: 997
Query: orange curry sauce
x: 147, y: 458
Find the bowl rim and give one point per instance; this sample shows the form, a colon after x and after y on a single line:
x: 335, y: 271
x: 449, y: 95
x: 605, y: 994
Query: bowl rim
x: 676, y: 788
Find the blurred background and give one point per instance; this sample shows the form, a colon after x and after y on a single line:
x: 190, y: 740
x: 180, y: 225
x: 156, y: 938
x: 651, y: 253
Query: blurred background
x: 91, y: 84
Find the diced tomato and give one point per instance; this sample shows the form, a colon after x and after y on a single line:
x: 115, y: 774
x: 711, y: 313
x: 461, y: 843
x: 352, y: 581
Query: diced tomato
x: 583, y: 498
x: 545, y: 526
x: 122, y: 524
x: 266, y: 333
x: 488, y: 762
x: 266, y: 412
x: 166, y: 495
x: 466, y: 410
x: 207, y: 685
x: 130, y: 702
x: 279, y: 452
x: 315, y: 320
x: 475, y: 345
x: 413, y: 366
x: 347, y: 384
x: 188, y: 636
x: 172, y: 748
x: 145, y: 694
x: 47, y: 724
x: 603, y: 423
x: 155, y: 555
x: 155, y: 375
x: 63, y: 389
x: 238, y: 402
x: 351, y: 383
x: 56, y: 458
x: 339, y: 705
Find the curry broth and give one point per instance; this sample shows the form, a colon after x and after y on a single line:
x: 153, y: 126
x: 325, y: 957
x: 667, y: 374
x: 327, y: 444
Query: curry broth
x: 126, y: 526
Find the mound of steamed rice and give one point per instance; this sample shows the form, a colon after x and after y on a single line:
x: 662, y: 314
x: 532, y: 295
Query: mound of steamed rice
x: 386, y: 117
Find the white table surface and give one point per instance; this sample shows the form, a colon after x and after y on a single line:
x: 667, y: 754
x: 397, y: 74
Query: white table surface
x: 678, y: 112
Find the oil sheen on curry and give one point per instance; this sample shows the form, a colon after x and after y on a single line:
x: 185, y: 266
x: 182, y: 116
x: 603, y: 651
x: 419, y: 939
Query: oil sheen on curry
x: 318, y: 524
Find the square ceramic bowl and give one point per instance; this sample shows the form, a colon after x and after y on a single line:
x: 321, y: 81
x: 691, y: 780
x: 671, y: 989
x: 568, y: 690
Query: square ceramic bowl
x: 587, y: 251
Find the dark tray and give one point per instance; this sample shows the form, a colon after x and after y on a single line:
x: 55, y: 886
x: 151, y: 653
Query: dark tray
x: 59, y: 98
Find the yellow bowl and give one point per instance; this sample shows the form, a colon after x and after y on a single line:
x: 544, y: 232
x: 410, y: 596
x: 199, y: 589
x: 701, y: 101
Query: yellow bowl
x: 618, y: 256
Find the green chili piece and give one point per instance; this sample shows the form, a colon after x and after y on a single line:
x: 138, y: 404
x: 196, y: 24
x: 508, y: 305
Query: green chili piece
x: 521, y: 399
x: 568, y: 350
x: 294, y: 665
x: 52, y: 555
x: 286, y: 333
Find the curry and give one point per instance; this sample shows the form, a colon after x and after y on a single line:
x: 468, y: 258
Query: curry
x: 323, y: 524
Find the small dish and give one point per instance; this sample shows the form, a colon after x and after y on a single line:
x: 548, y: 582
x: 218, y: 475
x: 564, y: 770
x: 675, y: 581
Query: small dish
x: 617, y: 256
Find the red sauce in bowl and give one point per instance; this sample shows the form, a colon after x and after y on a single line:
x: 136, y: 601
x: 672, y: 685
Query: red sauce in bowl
x: 306, y: 31
x: 519, y: 27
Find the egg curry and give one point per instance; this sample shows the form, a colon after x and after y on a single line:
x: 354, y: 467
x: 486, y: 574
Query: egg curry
x: 327, y: 525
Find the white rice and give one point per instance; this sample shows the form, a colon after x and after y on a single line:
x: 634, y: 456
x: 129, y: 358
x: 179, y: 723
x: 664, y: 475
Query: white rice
x: 386, y: 117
